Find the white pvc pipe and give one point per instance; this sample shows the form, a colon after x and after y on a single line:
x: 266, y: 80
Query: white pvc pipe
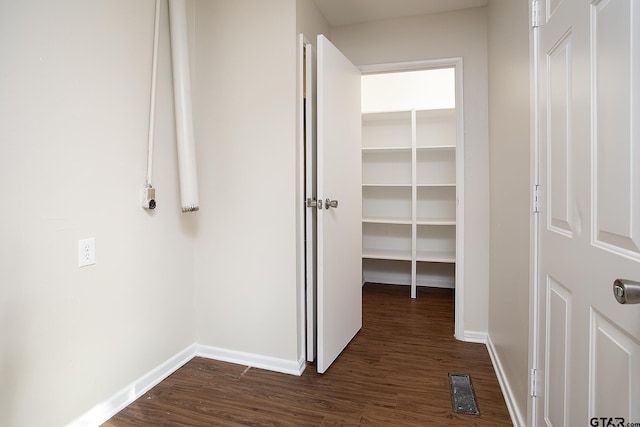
x: 152, y: 106
x: 183, y: 107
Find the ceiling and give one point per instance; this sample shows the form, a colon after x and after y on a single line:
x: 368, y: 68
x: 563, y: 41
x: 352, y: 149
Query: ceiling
x: 345, y: 12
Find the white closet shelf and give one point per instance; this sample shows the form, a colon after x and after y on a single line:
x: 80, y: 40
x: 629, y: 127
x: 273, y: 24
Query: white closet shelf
x: 431, y: 256
x: 385, y: 149
x: 436, y: 185
x: 371, y: 220
x: 436, y: 221
x: 387, y: 114
x: 387, y: 185
x: 434, y: 147
x: 386, y: 254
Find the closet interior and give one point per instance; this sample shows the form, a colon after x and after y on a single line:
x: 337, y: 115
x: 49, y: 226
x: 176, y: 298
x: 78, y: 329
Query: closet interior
x: 409, y: 178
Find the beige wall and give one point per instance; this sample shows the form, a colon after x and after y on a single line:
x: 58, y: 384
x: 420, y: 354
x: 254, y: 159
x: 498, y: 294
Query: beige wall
x: 74, y: 105
x: 310, y: 21
x: 74, y: 93
x: 246, y: 246
x: 446, y: 35
x: 509, y: 104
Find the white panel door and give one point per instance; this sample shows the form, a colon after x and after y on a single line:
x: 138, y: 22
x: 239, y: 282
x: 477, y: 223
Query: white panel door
x: 588, y: 93
x: 339, y: 180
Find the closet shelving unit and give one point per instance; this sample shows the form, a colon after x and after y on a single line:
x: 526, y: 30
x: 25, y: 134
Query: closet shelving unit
x: 409, y: 192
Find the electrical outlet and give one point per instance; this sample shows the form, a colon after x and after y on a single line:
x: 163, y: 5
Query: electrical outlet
x: 86, y: 252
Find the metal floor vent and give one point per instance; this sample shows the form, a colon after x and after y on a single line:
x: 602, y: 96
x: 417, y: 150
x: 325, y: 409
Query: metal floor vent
x: 463, y: 399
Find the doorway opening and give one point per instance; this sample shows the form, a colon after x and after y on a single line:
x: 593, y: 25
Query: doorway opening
x: 412, y: 176
x: 411, y: 190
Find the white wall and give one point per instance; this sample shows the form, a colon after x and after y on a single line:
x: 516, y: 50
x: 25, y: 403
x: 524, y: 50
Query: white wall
x: 74, y: 92
x: 309, y: 20
x: 509, y: 104
x: 74, y: 100
x: 245, y: 103
x: 446, y: 35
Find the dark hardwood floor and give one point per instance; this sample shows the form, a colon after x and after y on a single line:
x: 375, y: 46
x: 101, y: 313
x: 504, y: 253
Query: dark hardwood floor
x: 394, y: 373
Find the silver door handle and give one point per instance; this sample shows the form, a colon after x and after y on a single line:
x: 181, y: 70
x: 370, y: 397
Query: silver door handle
x: 626, y: 291
x: 328, y: 203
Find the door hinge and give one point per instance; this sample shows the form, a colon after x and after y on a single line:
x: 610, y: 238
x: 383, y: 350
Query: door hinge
x: 534, y: 383
x: 536, y: 198
x: 535, y: 13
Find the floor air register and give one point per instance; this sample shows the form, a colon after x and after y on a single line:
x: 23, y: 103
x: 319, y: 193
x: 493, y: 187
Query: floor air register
x: 463, y: 399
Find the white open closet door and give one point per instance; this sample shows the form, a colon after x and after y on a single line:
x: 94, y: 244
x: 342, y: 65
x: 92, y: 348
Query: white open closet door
x: 339, y: 182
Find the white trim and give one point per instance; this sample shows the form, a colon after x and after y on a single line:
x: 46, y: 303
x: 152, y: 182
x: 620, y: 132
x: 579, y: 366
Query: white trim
x: 300, y: 208
x: 456, y: 63
x: 410, y: 65
x: 534, y: 225
x: 102, y: 412
x: 460, y: 218
x: 107, y: 409
x: 474, y: 336
x: 253, y: 360
x: 517, y: 418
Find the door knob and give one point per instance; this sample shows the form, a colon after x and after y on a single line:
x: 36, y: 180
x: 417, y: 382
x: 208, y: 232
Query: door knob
x: 328, y: 203
x: 626, y: 291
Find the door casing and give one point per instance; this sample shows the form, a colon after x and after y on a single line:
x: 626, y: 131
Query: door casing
x: 307, y: 326
x: 457, y: 64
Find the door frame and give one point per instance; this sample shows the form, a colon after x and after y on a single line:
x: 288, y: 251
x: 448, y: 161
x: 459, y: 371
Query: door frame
x: 306, y: 290
x: 457, y: 64
x: 534, y: 227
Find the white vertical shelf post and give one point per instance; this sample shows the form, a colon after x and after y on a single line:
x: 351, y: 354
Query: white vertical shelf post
x: 414, y: 198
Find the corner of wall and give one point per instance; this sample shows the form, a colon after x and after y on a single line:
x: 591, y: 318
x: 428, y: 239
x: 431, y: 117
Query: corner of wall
x: 517, y: 416
x: 509, y: 121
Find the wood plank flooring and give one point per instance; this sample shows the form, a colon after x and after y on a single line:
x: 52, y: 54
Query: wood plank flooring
x: 394, y: 373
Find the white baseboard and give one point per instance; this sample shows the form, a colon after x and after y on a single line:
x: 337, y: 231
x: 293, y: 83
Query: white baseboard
x: 105, y: 410
x: 517, y: 417
x: 253, y: 360
x: 474, y: 336
x: 102, y: 412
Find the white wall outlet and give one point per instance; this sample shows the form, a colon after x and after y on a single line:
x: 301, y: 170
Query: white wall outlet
x: 86, y: 252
